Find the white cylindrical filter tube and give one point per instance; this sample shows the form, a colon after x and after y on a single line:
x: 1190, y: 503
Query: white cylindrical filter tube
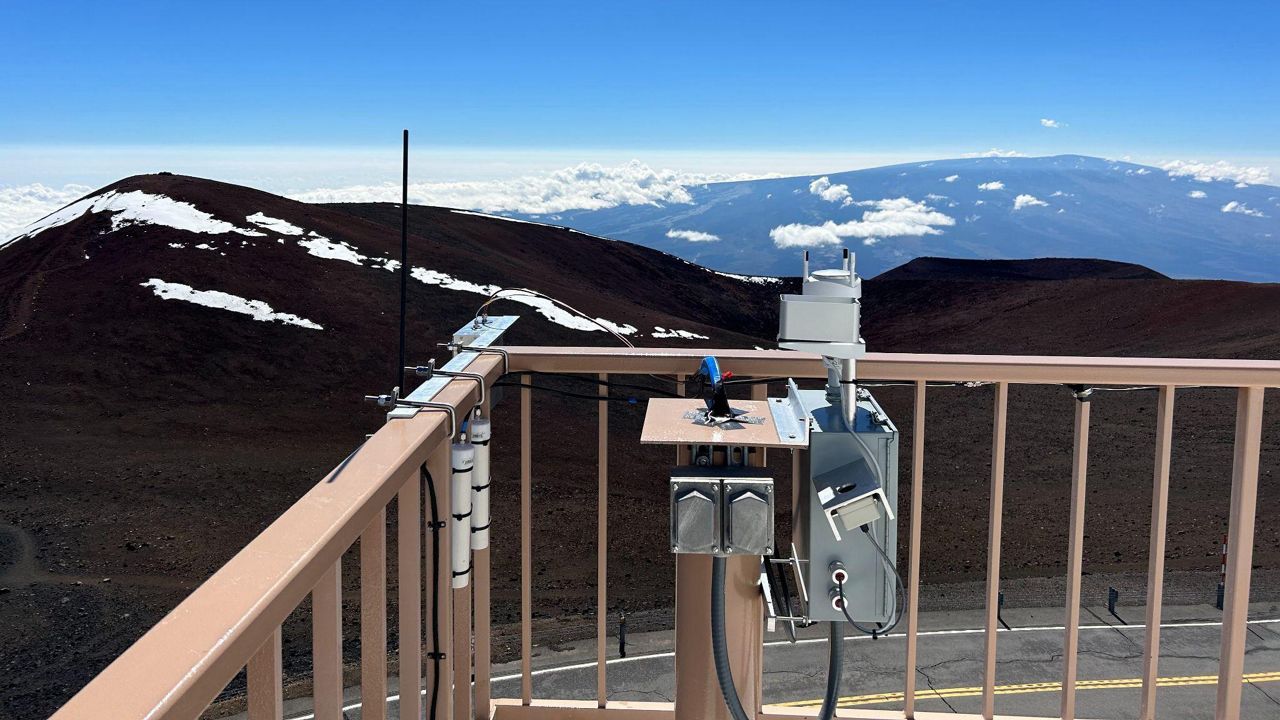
x: 463, y: 461
x: 481, y: 431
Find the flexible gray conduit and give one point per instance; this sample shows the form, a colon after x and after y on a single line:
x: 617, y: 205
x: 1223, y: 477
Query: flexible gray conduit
x: 720, y: 652
x: 719, y: 647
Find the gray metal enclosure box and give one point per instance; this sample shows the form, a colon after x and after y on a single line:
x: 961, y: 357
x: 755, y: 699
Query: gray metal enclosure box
x: 871, y: 588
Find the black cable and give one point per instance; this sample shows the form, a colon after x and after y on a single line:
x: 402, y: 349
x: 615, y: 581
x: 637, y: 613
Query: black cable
x: 599, y: 382
x: 404, y: 258
x: 719, y: 646
x: 566, y: 393
x: 835, y: 666
x: 899, y: 602
x: 901, y: 595
x: 435, y: 656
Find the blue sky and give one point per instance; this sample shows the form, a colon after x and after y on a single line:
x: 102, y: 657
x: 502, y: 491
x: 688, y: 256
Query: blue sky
x: 93, y: 91
x: 1142, y: 77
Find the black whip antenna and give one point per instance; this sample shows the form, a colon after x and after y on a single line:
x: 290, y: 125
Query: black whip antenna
x: 404, y: 256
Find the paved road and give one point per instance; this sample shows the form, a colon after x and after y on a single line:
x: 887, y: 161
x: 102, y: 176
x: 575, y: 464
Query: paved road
x: 950, y: 668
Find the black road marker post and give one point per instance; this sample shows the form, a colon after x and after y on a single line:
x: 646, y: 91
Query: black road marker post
x: 1113, y: 596
x: 622, y: 634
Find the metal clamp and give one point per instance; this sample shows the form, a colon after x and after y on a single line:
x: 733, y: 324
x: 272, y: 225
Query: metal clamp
x: 455, y: 347
x: 393, y: 400
x: 453, y: 414
x: 427, y: 371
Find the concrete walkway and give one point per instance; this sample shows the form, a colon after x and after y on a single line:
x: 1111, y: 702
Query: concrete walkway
x: 950, y: 666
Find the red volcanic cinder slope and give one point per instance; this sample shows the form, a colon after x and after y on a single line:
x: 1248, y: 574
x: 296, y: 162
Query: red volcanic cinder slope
x: 180, y: 359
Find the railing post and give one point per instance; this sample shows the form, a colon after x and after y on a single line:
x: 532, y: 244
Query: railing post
x: 1075, y: 558
x: 326, y: 645
x: 409, y: 597
x: 1155, y: 556
x: 993, y: 549
x: 439, y: 623
x: 373, y: 619
x: 754, y: 634
x: 526, y: 542
x: 602, y: 543
x: 917, y: 507
x: 266, y: 693
x: 483, y: 597
x: 1244, y: 496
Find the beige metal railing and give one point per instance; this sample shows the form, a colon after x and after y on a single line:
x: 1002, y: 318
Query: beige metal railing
x: 233, y: 620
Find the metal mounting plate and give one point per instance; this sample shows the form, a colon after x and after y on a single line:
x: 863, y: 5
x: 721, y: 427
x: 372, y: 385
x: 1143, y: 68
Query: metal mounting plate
x: 481, y: 332
x: 668, y: 421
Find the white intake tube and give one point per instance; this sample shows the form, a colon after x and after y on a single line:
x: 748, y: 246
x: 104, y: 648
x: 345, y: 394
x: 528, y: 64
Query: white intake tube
x: 481, y: 430
x: 463, y: 458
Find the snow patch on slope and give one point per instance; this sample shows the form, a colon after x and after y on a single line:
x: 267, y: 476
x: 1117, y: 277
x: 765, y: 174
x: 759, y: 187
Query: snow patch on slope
x: 256, y: 309
x: 323, y: 247
x: 137, y: 208
x: 661, y: 332
x: 545, y: 307
x: 275, y: 225
x: 757, y: 279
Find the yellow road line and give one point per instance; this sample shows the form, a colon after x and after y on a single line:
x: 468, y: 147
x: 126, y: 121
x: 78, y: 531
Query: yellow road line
x: 1038, y: 687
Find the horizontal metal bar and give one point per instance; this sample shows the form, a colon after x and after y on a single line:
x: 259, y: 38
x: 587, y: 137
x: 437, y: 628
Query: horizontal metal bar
x: 907, y: 367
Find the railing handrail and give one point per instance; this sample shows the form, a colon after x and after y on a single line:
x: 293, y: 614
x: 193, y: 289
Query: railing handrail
x: 179, y: 666
x: 908, y: 367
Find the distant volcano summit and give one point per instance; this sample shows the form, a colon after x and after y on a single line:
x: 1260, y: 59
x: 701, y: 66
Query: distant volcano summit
x: 1184, y: 221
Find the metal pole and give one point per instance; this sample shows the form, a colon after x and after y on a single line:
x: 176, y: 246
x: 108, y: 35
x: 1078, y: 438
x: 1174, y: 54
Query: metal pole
x: 404, y: 256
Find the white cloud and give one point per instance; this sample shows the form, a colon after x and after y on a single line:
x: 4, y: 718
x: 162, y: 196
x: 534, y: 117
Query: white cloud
x: 1197, y: 194
x: 692, y: 236
x: 823, y: 188
x: 951, y: 178
x: 1046, y: 122
x: 22, y: 205
x: 993, y: 185
x: 995, y: 152
x: 1221, y: 170
x: 1241, y: 209
x: 870, y: 241
x: 587, y: 186
x: 899, y: 217
x: 1023, y: 201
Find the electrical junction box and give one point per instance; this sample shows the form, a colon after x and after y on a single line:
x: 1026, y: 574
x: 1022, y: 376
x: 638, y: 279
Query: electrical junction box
x: 835, y: 460
x: 721, y: 511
